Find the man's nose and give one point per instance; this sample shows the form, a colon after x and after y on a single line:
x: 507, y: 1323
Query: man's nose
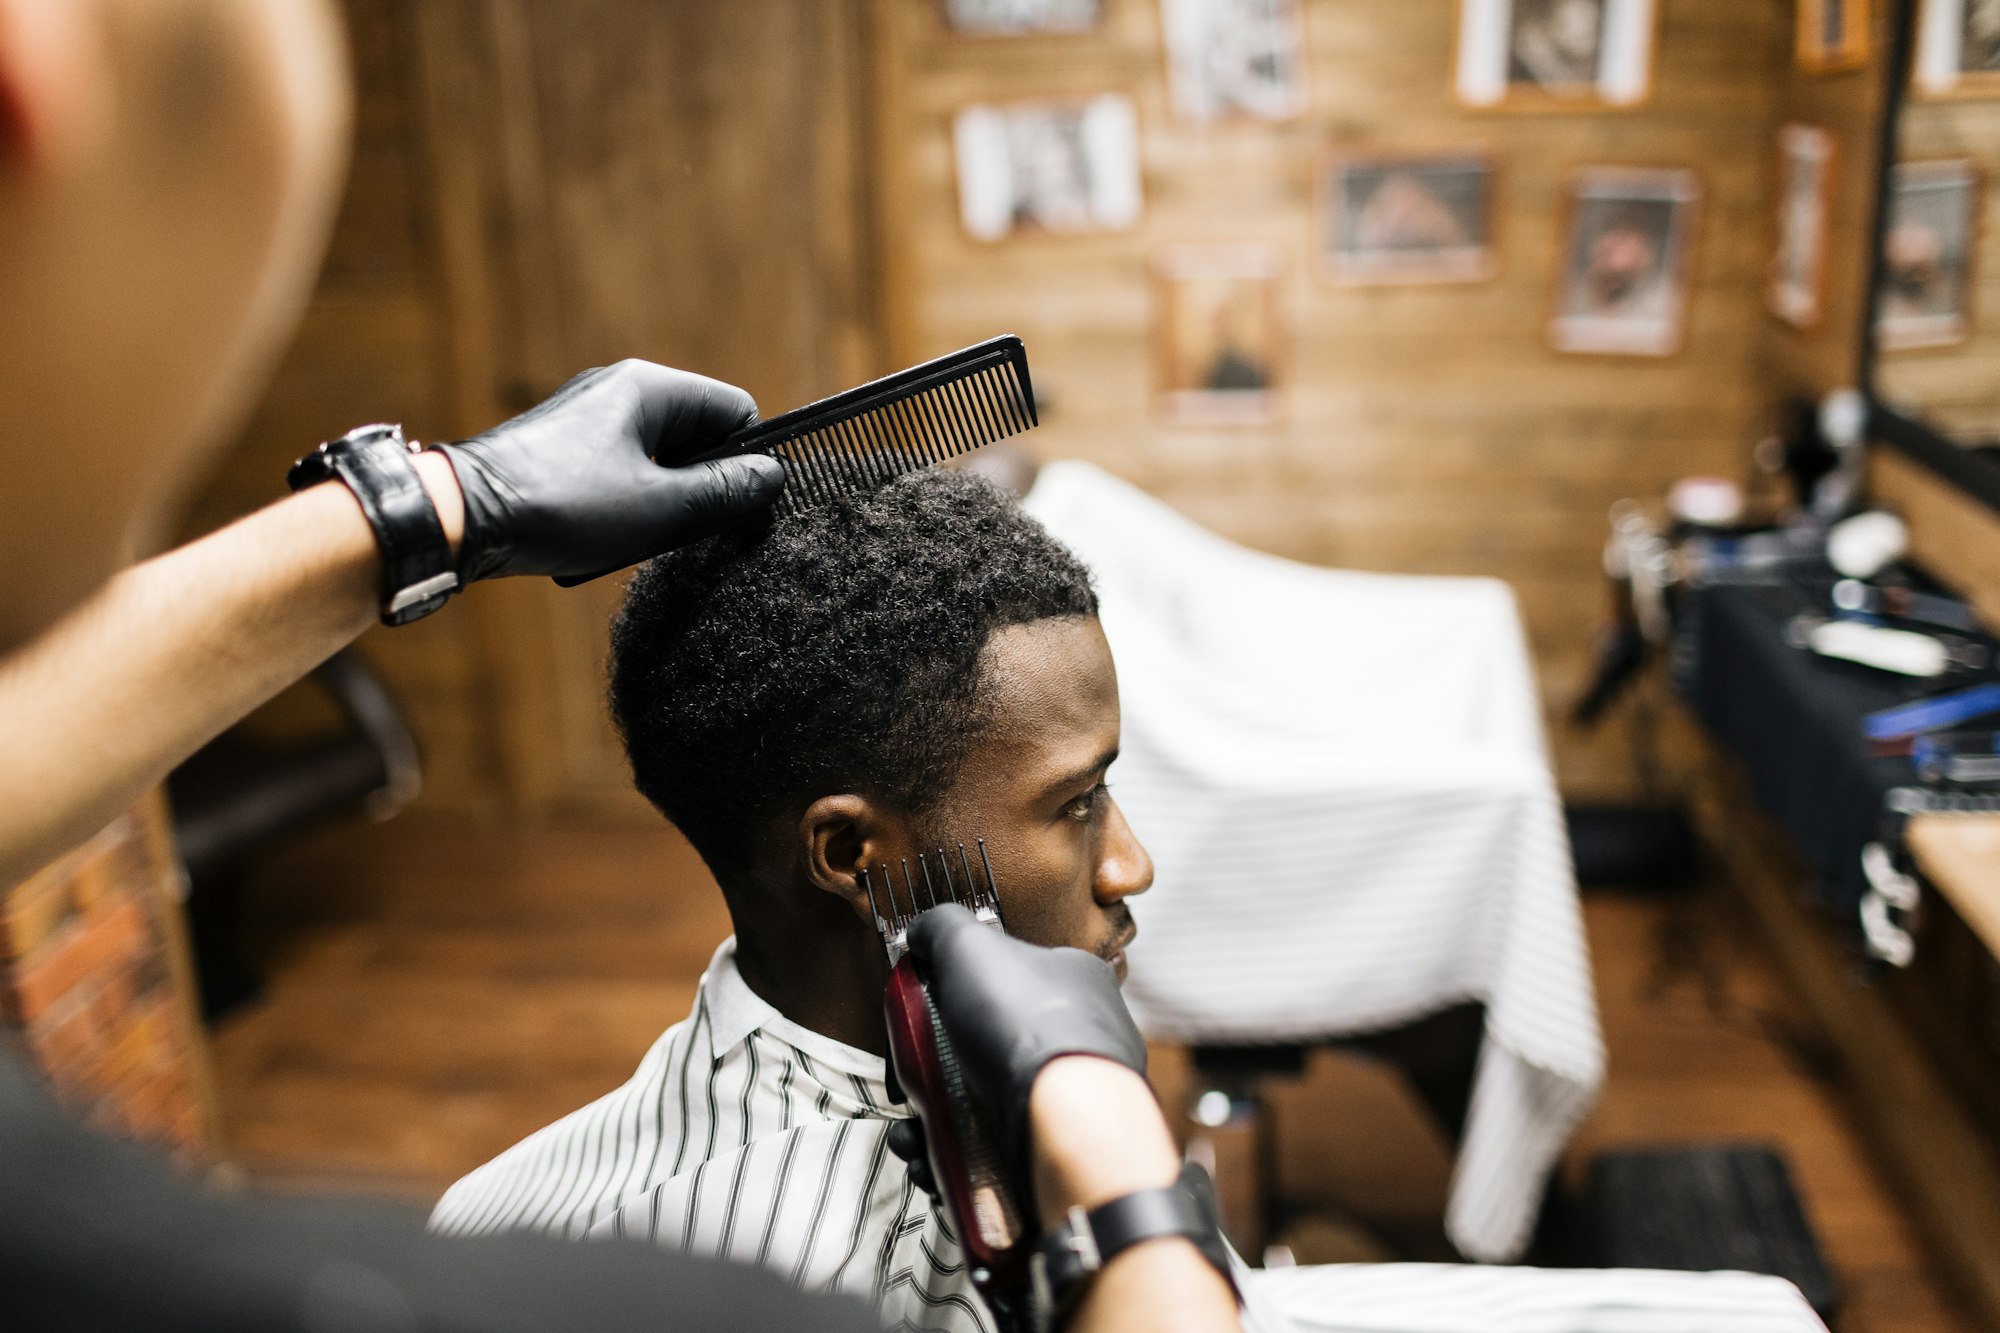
x: 1123, y: 867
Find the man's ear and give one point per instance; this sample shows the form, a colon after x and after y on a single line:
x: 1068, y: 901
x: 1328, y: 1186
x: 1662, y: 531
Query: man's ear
x: 53, y: 77
x: 841, y: 834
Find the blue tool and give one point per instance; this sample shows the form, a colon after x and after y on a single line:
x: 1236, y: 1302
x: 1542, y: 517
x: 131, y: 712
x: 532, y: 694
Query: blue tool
x: 1932, y: 714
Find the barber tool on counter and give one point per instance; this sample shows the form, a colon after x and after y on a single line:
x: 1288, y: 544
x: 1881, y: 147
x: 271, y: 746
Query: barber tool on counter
x: 1868, y: 610
x: 1875, y: 615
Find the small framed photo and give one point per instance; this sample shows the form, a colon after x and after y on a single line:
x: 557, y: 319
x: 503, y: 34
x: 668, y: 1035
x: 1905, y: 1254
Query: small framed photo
x: 1958, y: 49
x: 1218, y: 335
x: 1015, y: 18
x: 1622, y: 289
x: 1235, y: 59
x: 1555, y: 53
x: 1048, y: 166
x: 1805, y: 194
x: 1407, y: 218
x: 1832, y: 35
x: 1929, y: 249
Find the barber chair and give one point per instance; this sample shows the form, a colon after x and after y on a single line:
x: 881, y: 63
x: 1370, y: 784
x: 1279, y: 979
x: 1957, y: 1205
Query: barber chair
x: 1438, y: 1056
x: 239, y: 795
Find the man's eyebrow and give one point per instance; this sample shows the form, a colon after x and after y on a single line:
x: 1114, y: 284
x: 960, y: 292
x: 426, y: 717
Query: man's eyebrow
x: 1076, y: 777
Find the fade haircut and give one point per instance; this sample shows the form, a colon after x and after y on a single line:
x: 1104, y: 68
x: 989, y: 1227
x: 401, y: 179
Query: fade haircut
x: 835, y: 650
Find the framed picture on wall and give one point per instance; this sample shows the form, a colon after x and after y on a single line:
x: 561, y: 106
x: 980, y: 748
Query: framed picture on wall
x: 1832, y: 35
x: 1805, y: 194
x: 1235, y: 59
x: 1561, y: 53
x: 1930, y: 248
x: 1013, y: 18
x: 1958, y: 49
x: 1058, y: 166
x: 1622, y: 288
x: 1217, y: 336
x: 1406, y: 218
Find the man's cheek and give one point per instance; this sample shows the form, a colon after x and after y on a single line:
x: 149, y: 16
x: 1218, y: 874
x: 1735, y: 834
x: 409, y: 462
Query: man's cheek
x: 1038, y: 919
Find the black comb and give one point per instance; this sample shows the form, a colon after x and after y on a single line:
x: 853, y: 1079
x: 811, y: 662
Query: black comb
x: 915, y: 418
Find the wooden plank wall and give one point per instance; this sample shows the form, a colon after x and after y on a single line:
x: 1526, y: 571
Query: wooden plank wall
x: 537, y: 188
x: 1428, y: 429
x: 765, y: 192
x: 681, y: 182
x: 372, y: 348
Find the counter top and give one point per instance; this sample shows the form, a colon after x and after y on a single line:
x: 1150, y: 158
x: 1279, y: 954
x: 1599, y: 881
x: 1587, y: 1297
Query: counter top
x: 1960, y: 856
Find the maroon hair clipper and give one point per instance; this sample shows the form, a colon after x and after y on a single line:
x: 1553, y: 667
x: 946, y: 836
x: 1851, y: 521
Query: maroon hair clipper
x: 986, y: 1209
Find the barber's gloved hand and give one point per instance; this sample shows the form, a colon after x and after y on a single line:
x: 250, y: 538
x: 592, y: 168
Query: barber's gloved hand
x: 1010, y: 1007
x: 584, y: 483
x: 906, y: 1140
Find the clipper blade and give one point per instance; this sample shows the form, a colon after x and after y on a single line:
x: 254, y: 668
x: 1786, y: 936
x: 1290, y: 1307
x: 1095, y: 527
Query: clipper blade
x: 934, y: 881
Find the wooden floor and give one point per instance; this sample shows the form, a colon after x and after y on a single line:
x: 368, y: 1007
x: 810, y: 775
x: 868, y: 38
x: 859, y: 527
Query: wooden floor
x: 434, y: 995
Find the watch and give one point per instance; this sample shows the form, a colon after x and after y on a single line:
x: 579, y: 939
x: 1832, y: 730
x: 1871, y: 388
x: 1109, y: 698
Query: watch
x: 1069, y: 1256
x: 374, y: 463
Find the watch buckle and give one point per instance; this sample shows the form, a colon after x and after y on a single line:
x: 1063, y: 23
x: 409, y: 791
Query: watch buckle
x: 1082, y: 1241
x: 421, y: 592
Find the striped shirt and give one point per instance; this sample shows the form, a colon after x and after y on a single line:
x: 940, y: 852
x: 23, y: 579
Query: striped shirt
x: 744, y: 1136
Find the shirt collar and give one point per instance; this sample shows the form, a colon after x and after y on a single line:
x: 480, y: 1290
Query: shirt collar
x: 735, y: 1011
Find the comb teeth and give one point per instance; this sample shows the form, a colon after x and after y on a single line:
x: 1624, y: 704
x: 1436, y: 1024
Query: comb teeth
x: 916, y: 418
x: 933, y: 881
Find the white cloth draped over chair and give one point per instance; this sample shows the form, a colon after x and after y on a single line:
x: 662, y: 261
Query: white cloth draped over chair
x: 1343, y: 781
x: 1437, y: 1298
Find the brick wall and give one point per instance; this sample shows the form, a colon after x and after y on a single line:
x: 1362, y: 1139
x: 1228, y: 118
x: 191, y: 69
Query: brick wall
x: 94, y: 977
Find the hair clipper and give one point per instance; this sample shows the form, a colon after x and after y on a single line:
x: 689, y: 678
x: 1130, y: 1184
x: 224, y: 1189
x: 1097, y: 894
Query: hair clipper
x: 985, y: 1208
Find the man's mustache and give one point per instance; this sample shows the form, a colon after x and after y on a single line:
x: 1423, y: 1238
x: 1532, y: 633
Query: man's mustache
x: 1124, y: 929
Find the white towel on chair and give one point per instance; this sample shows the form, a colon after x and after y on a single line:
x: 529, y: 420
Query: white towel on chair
x: 1454, y: 1298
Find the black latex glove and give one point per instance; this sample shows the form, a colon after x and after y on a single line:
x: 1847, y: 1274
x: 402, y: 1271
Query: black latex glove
x: 906, y: 1140
x: 1010, y: 1007
x: 575, y: 486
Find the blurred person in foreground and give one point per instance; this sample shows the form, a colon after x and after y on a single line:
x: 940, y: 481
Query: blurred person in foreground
x: 168, y: 170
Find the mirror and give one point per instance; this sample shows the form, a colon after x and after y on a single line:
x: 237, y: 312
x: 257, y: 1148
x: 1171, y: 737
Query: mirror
x: 1935, y: 331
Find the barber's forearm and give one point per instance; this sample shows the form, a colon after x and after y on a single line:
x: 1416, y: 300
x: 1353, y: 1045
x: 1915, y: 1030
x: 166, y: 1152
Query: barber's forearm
x: 1098, y: 1136
x: 172, y: 651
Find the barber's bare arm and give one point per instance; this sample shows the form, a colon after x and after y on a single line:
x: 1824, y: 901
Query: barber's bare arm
x: 170, y: 652
x: 1099, y: 1136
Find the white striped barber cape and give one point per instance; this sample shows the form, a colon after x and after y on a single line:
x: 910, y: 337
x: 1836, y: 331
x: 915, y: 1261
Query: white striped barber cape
x: 746, y: 1136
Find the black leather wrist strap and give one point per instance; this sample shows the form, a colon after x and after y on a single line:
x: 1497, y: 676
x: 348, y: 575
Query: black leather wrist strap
x: 374, y: 463
x: 1071, y: 1254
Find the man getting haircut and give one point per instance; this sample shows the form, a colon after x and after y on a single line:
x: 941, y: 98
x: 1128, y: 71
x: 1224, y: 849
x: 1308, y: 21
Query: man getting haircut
x: 896, y: 671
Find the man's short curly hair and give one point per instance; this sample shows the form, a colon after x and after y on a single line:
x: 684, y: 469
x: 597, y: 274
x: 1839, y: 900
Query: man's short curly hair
x: 836, y: 650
